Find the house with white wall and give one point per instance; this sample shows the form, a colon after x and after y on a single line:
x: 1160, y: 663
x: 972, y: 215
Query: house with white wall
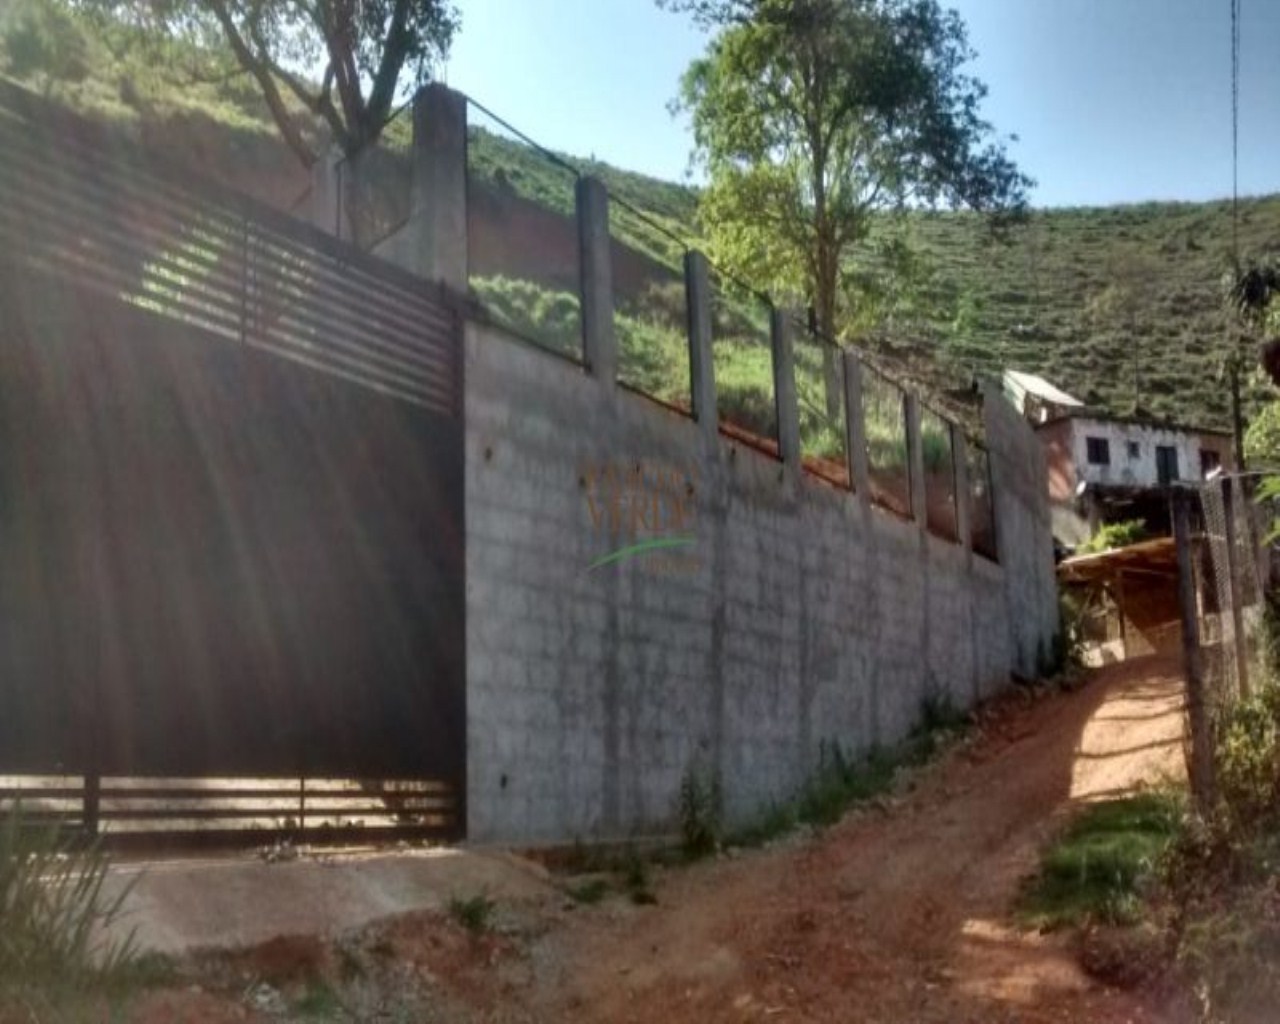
x: 1105, y: 468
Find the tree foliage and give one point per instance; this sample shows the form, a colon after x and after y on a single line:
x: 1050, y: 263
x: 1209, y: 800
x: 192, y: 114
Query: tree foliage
x: 1262, y: 439
x: 343, y: 61
x: 41, y: 38
x: 1114, y: 535
x: 1253, y: 296
x: 810, y: 116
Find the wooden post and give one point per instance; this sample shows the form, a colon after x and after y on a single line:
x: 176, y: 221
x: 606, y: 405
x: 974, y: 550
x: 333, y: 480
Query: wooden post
x: 1119, y: 600
x: 1239, y: 640
x: 1201, y: 766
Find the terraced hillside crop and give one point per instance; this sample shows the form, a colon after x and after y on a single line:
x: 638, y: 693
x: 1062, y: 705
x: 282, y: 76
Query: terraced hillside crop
x: 1118, y: 305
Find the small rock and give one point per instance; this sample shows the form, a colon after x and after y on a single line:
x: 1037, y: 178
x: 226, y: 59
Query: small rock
x: 266, y: 999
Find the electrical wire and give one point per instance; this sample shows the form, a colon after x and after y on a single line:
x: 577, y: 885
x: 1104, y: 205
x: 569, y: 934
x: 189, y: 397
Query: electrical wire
x: 1235, y: 135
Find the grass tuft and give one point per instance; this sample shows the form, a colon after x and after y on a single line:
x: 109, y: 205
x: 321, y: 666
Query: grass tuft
x: 53, y: 907
x: 589, y: 893
x: 1098, y: 867
x: 474, y: 914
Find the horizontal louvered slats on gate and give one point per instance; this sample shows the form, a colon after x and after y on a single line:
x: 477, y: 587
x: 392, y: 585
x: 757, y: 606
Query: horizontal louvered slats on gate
x: 107, y: 217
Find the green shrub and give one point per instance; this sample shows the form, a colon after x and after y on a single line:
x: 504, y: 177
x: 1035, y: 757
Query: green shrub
x: 744, y: 384
x: 473, y: 914
x: 1115, y: 535
x: 701, y: 808
x: 1069, y: 640
x: 653, y: 355
x: 52, y: 907
x: 542, y: 315
x: 590, y: 893
x: 1096, y: 868
x: 1230, y: 949
x: 1247, y: 756
x: 42, y: 38
x: 635, y: 878
x: 833, y: 787
x: 938, y: 714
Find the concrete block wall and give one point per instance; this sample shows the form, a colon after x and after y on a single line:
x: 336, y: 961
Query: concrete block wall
x: 803, y: 615
x: 1024, y: 532
x: 799, y: 615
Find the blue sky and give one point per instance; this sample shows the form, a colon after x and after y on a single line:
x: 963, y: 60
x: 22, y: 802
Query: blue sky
x: 1113, y: 100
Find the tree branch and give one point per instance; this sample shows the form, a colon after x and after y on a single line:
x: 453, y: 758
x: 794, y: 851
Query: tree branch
x: 261, y: 71
x: 339, y: 42
x: 394, y: 50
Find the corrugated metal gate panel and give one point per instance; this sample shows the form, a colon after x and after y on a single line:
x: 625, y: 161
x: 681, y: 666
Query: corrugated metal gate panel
x: 231, y: 502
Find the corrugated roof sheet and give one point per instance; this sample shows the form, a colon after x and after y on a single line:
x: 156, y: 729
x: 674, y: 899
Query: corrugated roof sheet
x: 1030, y: 384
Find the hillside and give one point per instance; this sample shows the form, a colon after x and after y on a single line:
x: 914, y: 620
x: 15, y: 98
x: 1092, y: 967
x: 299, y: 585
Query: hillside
x: 1118, y: 305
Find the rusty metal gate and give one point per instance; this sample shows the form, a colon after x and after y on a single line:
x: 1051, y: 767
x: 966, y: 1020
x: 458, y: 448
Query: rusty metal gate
x: 231, y: 509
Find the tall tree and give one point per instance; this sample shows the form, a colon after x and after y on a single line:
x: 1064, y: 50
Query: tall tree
x: 344, y: 61
x: 811, y: 116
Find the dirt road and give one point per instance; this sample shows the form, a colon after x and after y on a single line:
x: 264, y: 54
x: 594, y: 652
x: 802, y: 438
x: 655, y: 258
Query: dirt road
x: 897, y: 917
x: 901, y: 913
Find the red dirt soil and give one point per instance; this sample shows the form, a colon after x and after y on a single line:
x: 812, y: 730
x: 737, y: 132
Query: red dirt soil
x: 901, y: 913
x: 897, y: 917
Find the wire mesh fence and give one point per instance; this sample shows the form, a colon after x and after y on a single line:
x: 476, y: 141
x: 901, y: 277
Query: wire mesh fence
x: 650, y: 306
x: 938, y: 444
x: 375, y: 186
x: 523, y: 256
x: 819, y: 370
x: 884, y: 415
x: 742, y: 358
x: 1224, y: 575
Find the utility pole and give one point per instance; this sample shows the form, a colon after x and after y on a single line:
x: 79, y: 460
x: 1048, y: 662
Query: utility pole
x: 1237, y: 416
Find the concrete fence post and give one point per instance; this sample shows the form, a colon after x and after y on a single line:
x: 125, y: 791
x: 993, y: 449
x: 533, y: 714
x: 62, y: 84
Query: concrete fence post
x: 960, y: 455
x: 438, y: 193
x: 855, y: 427
x: 325, y: 205
x: 784, y: 388
x: 599, y: 341
x: 697, y: 283
x: 915, y: 462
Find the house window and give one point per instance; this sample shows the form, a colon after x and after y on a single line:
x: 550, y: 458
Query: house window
x: 1209, y: 461
x: 1166, y: 464
x: 1098, y: 451
x: 1135, y: 450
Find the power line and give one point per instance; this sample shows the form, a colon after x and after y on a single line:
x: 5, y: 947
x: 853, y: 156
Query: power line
x: 1235, y: 134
